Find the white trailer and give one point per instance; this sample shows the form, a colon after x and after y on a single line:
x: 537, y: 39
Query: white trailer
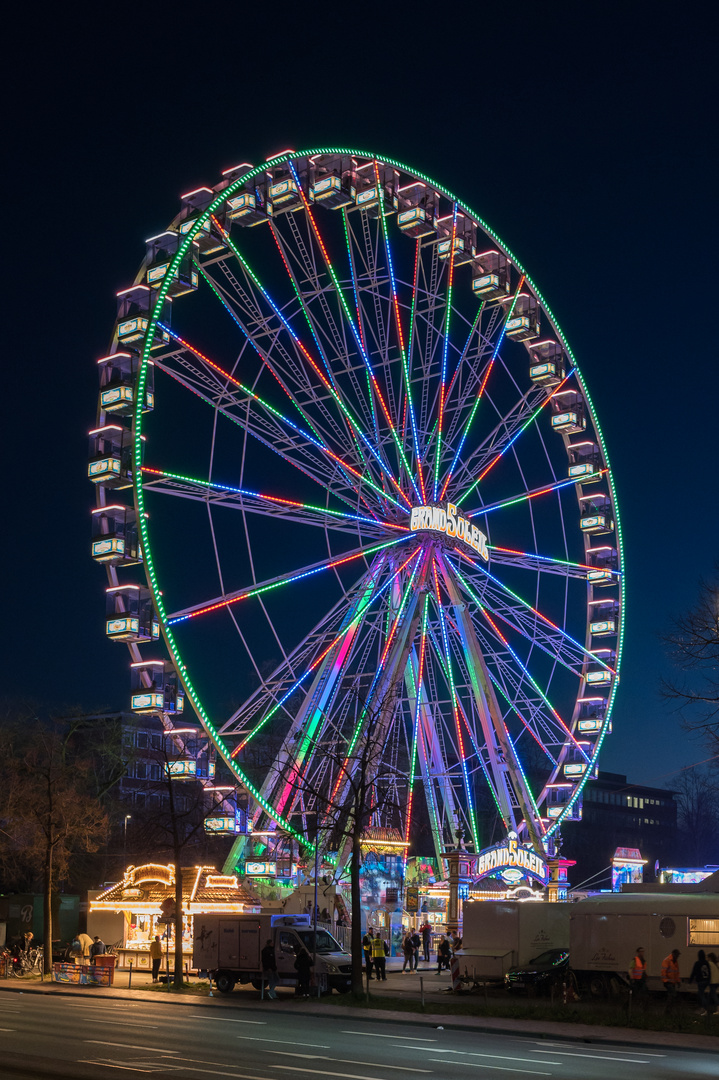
x: 228, y: 949
x: 500, y: 934
x: 604, y: 934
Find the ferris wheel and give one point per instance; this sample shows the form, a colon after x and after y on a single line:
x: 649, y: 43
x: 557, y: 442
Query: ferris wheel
x: 367, y: 481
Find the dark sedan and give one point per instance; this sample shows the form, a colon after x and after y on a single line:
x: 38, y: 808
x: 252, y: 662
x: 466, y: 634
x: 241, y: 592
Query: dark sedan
x: 540, y: 974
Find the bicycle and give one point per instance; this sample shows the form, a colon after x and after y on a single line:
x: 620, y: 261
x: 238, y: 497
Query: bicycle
x: 27, y: 963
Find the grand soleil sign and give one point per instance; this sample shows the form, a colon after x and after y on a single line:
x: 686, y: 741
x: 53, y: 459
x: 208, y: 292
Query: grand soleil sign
x: 444, y: 519
x: 512, y: 861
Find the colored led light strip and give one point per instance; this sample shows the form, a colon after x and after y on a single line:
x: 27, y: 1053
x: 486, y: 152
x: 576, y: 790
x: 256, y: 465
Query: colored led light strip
x: 458, y: 728
x: 280, y: 416
x: 544, y: 558
x: 353, y: 328
x: 484, y: 382
x: 402, y: 350
x: 310, y: 360
x: 514, y: 438
x: 390, y: 637
x: 533, y: 494
x: 528, y: 607
x: 445, y: 348
x: 533, y: 682
x: 286, y: 581
x: 323, y: 510
x: 415, y: 729
x: 295, y: 686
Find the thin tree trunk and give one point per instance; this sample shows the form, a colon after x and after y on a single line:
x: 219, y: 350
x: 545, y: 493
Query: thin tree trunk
x: 47, y: 910
x: 357, y: 953
x: 178, y: 979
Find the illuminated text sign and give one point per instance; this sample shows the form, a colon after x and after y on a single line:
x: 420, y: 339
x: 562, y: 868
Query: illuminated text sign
x: 444, y: 519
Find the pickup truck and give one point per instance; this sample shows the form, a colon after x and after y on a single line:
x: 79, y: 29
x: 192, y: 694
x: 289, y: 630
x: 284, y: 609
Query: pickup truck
x: 228, y: 948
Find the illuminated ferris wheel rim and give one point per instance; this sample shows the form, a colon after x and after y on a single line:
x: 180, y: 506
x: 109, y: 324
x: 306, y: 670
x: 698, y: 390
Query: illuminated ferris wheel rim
x: 183, y: 248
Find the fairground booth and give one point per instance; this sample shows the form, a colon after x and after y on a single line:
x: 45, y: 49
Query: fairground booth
x: 130, y: 913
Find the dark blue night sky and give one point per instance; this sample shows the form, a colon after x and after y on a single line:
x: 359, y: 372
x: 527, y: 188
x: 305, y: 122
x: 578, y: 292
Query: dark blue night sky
x: 584, y: 136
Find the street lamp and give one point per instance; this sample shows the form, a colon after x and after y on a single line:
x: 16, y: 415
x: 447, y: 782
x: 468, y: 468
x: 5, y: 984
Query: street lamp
x: 124, y: 845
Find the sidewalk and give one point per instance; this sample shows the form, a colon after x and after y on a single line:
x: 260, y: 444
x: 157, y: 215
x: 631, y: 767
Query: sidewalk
x: 586, y: 1033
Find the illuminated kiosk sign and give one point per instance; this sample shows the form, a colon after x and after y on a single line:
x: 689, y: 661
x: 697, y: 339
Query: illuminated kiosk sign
x: 512, y: 861
x: 444, y: 519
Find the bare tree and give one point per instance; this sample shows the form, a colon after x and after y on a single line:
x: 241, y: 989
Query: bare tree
x: 363, y: 787
x: 693, y: 644
x: 697, y: 797
x: 50, y: 806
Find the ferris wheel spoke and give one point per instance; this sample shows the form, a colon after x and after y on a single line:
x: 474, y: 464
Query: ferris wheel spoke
x: 307, y: 391
x: 543, y: 564
x: 526, y: 496
x: 214, y: 494
x: 238, y: 595
x: 505, y: 435
x: 532, y: 624
x: 270, y: 428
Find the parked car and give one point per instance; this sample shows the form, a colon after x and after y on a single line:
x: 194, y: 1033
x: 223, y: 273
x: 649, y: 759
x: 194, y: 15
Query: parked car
x: 540, y: 974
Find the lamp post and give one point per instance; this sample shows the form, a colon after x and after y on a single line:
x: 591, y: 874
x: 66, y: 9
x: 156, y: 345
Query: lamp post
x: 124, y: 842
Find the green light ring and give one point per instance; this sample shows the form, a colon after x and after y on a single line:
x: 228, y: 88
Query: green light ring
x: 185, y: 245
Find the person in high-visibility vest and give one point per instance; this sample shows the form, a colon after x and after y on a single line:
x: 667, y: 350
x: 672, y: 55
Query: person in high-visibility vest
x: 671, y: 978
x: 638, y: 974
x: 378, y: 958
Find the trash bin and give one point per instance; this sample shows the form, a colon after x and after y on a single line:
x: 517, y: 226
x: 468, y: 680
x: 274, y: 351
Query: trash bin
x: 107, y: 960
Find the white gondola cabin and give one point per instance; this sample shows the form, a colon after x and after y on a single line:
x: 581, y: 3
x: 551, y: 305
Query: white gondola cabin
x: 118, y: 374
x: 155, y: 688
x: 490, y: 281
x: 546, y: 366
x: 208, y: 238
x: 130, y: 615
x: 245, y: 209
x: 134, y: 308
x: 161, y: 250
x: 330, y: 192
x: 114, y: 535
x: 524, y: 319
x: 110, y: 458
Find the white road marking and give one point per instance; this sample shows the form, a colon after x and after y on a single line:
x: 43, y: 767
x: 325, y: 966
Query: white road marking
x: 123, y: 1023
x: 499, y: 1068
x: 376, y: 1035
x: 131, y: 1046
x: 215, y: 1066
x: 576, y: 1053
x: 106, y: 1065
x: 494, y: 1057
x: 348, y: 1061
x: 345, y: 1076
x: 607, y: 1050
x: 8, y: 1029
x: 256, y: 1038
x: 228, y: 1020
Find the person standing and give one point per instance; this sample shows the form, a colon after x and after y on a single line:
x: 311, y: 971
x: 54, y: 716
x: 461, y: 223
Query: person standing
x: 416, y: 945
x: 638, y: 975
x: 713, y: 981
x: 701, y: 975
x: 378, y: 958
x: 426, y: 940
x: 269, y: 968
x: 367, y: 949
x: 86, y: 943
x: 407, y: 951
x: 156, y: 957
x: 671, y: 978
x: 444, y: 952
x: 97, y: 948
x: 303, y: 963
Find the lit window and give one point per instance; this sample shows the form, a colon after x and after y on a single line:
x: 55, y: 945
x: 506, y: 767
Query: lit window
x: 704, y: 932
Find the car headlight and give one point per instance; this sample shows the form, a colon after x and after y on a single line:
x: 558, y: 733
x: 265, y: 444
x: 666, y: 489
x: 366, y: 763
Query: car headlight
x: 332, y: 969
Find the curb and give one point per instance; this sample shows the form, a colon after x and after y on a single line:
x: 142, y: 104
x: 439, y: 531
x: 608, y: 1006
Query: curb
x: 539, y: 1029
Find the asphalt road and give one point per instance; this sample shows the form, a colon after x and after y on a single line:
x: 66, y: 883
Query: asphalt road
x: 68, y: 1038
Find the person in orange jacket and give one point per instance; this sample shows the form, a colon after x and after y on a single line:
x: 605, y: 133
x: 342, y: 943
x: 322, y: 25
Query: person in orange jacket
x: 671, y: 978
x: 638, y: 975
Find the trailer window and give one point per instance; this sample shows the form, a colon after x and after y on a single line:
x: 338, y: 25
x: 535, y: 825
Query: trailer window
x: 703, y: 932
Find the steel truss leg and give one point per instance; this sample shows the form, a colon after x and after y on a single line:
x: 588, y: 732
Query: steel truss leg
x: 507, y: 773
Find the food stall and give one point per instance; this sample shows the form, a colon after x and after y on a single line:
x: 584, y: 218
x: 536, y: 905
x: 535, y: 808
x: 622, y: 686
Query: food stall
x: 146, y: 892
